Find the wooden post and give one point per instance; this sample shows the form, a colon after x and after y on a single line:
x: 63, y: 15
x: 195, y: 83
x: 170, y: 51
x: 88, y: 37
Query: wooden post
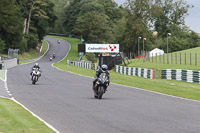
x: 185, y: 59
x: 190, y: 59
x: 180, y: 58
x: 195, y: 59
x: 163, y: 58
x: 152, y: 57
x: 156, y: 57
x: 171, y: 58
x: 160, y: 58
x: 176, y: 57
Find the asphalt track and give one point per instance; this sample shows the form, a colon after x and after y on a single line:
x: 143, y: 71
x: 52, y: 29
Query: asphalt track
x: 66, y: 102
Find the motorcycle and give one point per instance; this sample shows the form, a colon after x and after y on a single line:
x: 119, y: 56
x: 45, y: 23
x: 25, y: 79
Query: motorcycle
x: 54, y: 55
x: 50, y: 59
x: 58, y: 41
x: 101, y: 85
x: 36, y: 73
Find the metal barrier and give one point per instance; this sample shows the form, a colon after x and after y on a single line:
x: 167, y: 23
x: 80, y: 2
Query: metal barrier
x: 83, y: 64
x: 9, y: 63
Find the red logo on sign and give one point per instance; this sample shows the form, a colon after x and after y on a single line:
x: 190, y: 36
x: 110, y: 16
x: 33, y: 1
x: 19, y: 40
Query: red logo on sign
x: 112, y: 48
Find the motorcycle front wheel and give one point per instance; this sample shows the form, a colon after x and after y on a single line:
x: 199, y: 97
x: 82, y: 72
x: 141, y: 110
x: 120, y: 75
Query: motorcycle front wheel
x: 100, y: 92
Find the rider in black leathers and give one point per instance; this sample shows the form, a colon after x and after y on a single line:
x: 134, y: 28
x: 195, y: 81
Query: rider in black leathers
x: 104, y: 68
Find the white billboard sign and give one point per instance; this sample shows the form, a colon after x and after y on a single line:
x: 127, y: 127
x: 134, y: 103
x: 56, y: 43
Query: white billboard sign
x: 102, y: 48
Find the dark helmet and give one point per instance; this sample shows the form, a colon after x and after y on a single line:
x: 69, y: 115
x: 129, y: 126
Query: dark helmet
x: 104, y: 67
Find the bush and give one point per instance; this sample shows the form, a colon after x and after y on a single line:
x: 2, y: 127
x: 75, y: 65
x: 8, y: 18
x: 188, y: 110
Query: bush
x: 91, y: 57
x: 32, y: 41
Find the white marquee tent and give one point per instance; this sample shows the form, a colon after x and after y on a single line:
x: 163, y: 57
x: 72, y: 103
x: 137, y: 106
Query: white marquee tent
x: 156, y: 51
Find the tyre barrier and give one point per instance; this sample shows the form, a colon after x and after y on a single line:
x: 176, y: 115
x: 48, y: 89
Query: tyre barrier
x: 140, y: 72
x: 191, y: 76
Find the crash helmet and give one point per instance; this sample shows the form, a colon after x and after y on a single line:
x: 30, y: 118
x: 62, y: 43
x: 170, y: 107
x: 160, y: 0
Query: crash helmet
x: 104, y: 67
x: 36, y: 64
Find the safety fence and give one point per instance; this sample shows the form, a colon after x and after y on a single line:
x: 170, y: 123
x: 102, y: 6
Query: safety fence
x: 83, y: 64
x: 191, y: 76
x: 141, y: 72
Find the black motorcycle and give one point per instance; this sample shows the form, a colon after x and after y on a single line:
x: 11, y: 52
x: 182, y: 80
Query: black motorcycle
x: 36, y: 73
x: 101, y: 85
x: 54, y: 55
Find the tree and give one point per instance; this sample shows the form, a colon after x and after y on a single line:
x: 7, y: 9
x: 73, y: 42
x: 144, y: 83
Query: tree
x: 94, y: 28
x: 2, y: 45
x: 11, y: 24
x: 169, y: 12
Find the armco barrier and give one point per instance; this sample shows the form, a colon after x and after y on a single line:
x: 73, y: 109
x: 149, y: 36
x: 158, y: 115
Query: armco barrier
x: 191, y: 76
x: 84, y: 64
x: 141, y: 72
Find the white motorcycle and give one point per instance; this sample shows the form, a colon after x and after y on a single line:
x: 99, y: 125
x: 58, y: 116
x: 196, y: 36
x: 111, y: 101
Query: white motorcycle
x: 36, y: 73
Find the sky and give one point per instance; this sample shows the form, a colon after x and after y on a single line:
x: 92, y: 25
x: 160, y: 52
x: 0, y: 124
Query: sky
x: 192, y: 20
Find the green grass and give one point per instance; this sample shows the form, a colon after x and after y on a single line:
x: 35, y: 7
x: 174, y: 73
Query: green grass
x: 159, y: 66
x: 14, y: 119
x: 172, y: 65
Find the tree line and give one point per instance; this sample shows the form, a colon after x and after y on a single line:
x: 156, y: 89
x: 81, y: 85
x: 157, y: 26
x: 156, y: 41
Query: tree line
x: 103, y: 21
x: 23, y: 23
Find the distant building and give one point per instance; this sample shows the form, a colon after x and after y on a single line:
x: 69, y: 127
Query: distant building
x: 156, y: 51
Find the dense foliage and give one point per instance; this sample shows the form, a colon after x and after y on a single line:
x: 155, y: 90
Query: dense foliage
x: 102, y: 21
x: 24, y: 23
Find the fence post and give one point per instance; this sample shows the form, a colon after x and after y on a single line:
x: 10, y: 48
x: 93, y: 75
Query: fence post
x: 163, y: 58
x: 180, y: 58
x: 190, y: 59
x: 156, y: 57
x: 185, y: 59
x: 171, y: 58
x: 152, y: 57
x: 176, y: 57
x: 160, y: 58
x: 195, y: 59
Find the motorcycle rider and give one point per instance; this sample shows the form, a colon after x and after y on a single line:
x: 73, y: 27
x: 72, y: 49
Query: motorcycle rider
x: 104, y: 68
x: 35, y: 66
x: 54, y: 55
x: 58, y: 41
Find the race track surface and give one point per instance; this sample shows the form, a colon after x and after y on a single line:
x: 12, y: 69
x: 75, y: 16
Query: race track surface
x: 66, y: 102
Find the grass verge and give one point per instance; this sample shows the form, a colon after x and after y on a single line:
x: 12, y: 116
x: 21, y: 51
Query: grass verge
x: 32, y: 54
x: 13, y: 118
x: 171, y: 87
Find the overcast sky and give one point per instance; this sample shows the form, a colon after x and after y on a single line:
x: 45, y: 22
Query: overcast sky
x: 192, y: 20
